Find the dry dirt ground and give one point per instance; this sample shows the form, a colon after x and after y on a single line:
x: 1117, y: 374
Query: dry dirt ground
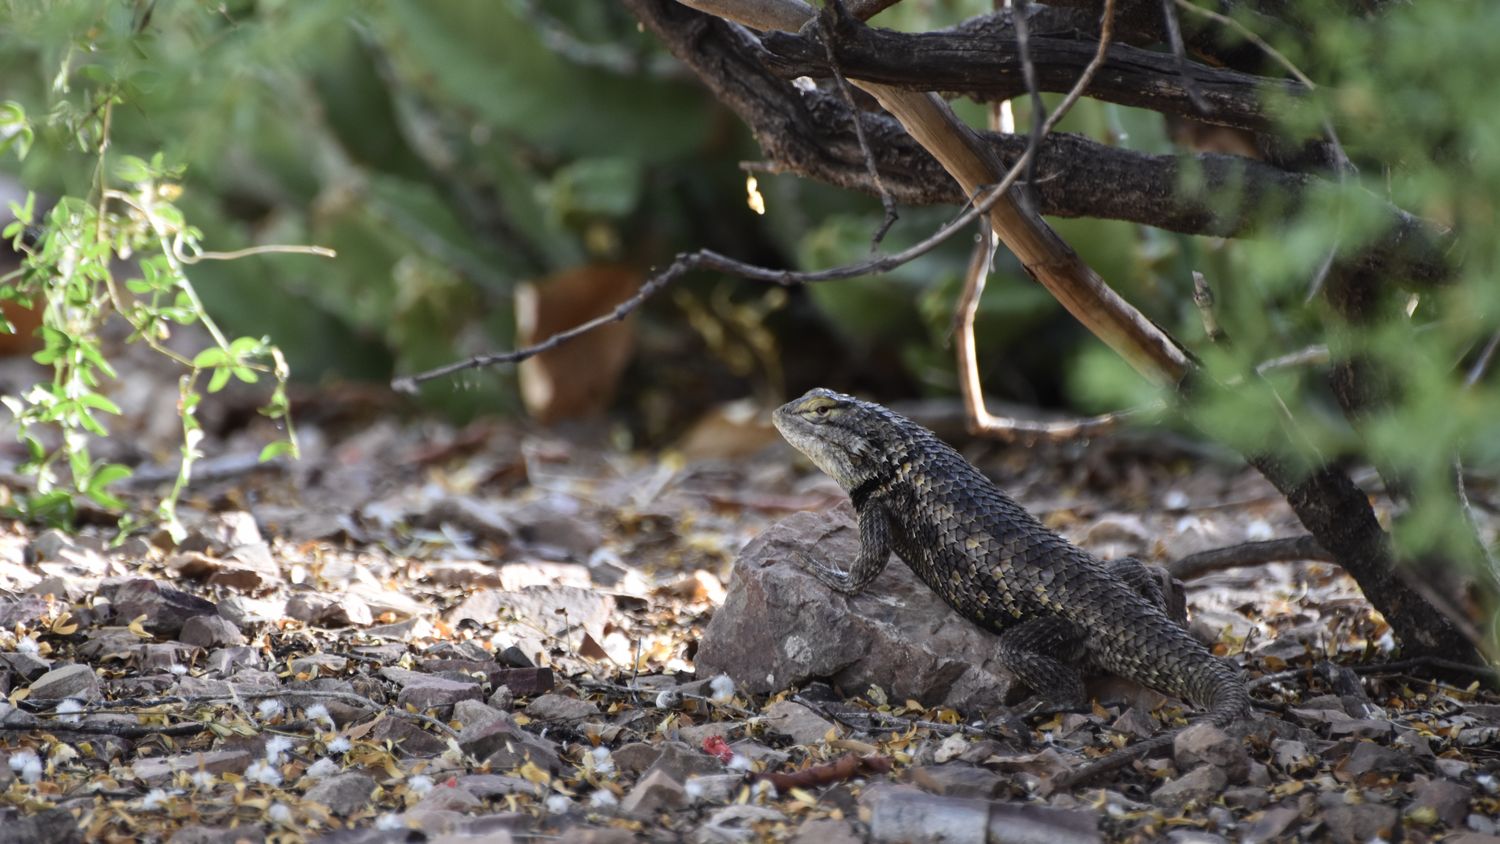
x: 489, y: 633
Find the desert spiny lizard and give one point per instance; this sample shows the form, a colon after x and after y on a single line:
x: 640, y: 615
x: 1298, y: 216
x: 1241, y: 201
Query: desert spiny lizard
x: 1055, y: 608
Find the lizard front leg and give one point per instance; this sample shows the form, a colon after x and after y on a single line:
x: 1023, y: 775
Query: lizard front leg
x: 874, y: 553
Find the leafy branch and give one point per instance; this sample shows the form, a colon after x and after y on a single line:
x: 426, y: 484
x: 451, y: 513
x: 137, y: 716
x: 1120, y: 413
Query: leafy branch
x: 69, y: 271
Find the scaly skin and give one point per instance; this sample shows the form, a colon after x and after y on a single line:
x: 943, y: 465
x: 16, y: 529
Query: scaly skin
x: 1056, y: 608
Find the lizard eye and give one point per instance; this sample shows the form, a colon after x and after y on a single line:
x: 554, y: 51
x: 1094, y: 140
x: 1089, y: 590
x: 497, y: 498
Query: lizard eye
x: 819, y: 409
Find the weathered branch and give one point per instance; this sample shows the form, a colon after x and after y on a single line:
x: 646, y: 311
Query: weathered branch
x: 967, y: 160
x: 1338, y: 514
x: 812, y: 135
x: 1303, y: 547
x: 981, y: 58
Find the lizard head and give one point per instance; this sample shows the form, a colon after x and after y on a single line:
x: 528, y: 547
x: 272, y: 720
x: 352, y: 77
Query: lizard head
x: 838, y: 433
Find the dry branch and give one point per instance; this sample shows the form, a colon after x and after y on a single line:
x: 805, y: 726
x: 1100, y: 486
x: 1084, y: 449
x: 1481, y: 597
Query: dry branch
x: 1303, y: 547
x: 982, y: 58
x: 1044, y: 255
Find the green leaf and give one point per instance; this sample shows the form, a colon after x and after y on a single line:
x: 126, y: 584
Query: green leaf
x: 219, y: 379
x: 99, y: 402
x: 97, y: 488
x: 129, y: 168
x: 110, y: 473
x: 212, y: 356
x: 247, y: 346
x: 275, y: 450
x: 246, y: 374
x: 607, y: 186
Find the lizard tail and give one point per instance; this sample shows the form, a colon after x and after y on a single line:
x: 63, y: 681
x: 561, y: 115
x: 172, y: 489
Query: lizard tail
x: 1221, y: 690
x: 1216, y: 685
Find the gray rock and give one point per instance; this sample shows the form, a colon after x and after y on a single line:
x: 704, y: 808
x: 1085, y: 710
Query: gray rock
x: 1448, y: 800
x: 427, y: 691
x: 1247, y: 797
x: 232, y: 659
x: 473, y: 713
x: 1357, y: 823
x: 1271, y: 824
x: 780, y: 627
x: 343, y: 794
x: 53, y: 826
x: 24, y: 665
x: 635, y: 757
x: 679, y: 761
x: 1368, y: 757
x: 796, y: 722
x: 504, y: 745
x: 825, y: 831
x: 503, y: 699
x: 713, y: 788
x: 160, y: 769
x: 410, y: 739
x: 166, y: 609
x: 900, y: 813
x: 318, y: 665
x: 446, y: 799
x: 210, y: 631
x: 1198, y: 785
x: 560, y: 709
x: 198, y: 834
x: 67, y: 681
x: 1205, y: 744
x: 329, y: 609
x: 957, y: 779
x: 656, y: 792
x: 491, y: 786
x: 733, y: 824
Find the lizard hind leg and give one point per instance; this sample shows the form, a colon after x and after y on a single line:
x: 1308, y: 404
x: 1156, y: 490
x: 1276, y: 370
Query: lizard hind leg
x: 1147, y: 582
x: 1044, y: 653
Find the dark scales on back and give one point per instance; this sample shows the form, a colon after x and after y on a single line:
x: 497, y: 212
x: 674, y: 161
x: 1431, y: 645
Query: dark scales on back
x: 1056, y: 609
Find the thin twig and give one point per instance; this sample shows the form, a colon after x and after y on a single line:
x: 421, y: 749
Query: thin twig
x: 196, y: 255
x: 1003, y: 112
x: 1203, y: 299
x: 235, y: 698
x: 1174, y: 37
x: 1315, y: 355
x: 1399, y: 666
x: 980, y: 420
x: 1028, y: 73
x: 1482, y: 363
x: 887, y: 202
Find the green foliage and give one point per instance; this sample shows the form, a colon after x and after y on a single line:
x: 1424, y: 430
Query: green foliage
x: 68, y: 272
x: 1420, y: 129
x: 447, y: 145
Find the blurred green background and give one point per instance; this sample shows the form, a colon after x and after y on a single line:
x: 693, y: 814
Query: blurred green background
x: 450, y: 151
